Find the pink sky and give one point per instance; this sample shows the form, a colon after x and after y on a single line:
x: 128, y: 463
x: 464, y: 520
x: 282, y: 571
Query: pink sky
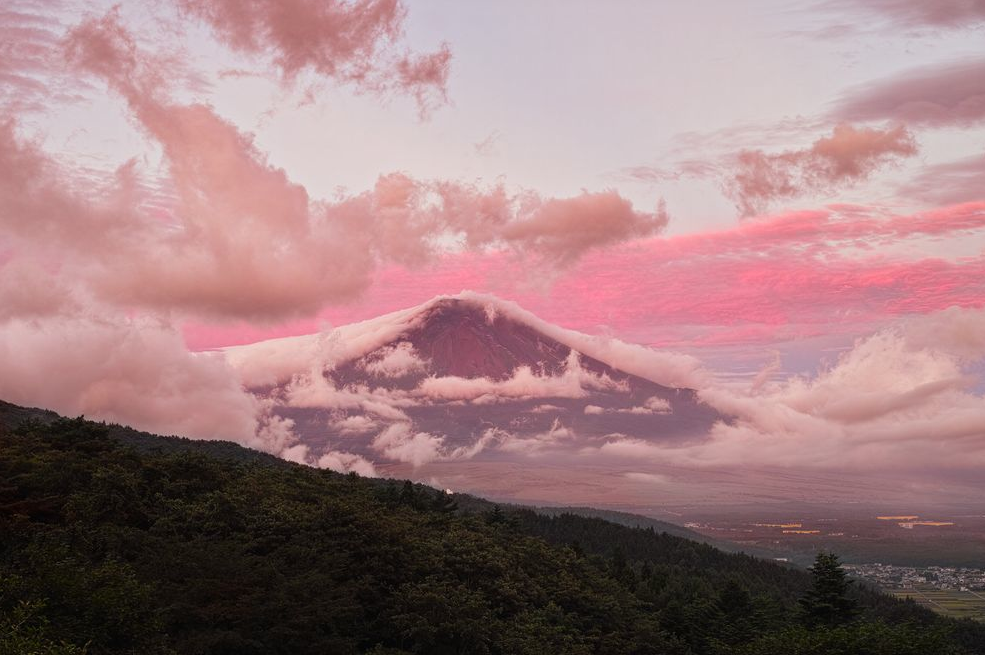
x: 181, y: 176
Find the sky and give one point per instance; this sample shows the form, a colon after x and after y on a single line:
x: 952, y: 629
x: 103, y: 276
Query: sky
x: 790, y: 192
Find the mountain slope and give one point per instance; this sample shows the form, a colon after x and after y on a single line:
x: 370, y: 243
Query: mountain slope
x: 122, y: 551
x: 470, y: 377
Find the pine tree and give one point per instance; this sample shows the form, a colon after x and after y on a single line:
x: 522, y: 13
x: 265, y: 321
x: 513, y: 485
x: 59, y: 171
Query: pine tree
x: 827, y: 601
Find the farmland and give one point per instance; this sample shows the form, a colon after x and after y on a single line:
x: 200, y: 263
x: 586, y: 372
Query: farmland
x: 950, y: 602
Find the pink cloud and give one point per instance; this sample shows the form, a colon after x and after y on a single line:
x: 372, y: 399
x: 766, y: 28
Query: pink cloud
x: 138, y: 372
x: 135, y: 373
x: 563, y: 230
x: 849, y: 155
x: 234, y: 237
x: 28, y: 56
x: 761, y: 279
x: 426, y: 78
x: 348, y: 41
x: 951, y: 182
x: 920, y: 14
x: 28, y: 291
x: 688, y: 168
x: 951, y: 93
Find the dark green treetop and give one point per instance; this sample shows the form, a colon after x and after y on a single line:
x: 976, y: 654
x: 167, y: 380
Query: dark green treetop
x: 828, y: 601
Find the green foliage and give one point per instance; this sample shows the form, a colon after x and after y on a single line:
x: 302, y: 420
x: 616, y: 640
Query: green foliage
x: 827, y: 602
x: 25, y: 631
x: 857, y: 639
x: 181, y: 547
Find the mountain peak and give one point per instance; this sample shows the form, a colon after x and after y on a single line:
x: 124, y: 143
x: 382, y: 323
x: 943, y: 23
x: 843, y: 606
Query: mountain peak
x: 466, y: 374
x: 466, y: 335
x: 473, y: 336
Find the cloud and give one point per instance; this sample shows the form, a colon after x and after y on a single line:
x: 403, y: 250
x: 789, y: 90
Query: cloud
x: 899, y: 400
x: 314, y: 390
x: 958, y: 331
x: 917, y: 13
x: 407, y: 216
x: 278, y: 360
x: 402, y: 443
x: 489, y: 145
x: 652, y: 405
x: 687, y: 168
x: 136, y: 373
x: 838, y: 270
x: 557, y: 436
x: 647, y: 478
x: 41, y: 212
x: 657, y: 405
x: 944, y: 94
x: 28, y: 291
x: 849, y: 155
x: 352, y: 42
x: 236, y: 238
x: 29, y: 71
x: 563, y: 230
x: 395, y: 361
x: 573, y: 382
x: 356, y: 424
x: 343, y: 462
x: 949, y: 183
x: 426, y: 78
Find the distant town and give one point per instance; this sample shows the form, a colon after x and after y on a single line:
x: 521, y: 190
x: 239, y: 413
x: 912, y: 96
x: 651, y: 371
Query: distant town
x: 953, y: 591
x: 892, y: 577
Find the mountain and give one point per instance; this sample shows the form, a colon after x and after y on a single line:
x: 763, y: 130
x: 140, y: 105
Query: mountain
x: 177, y: 546
x: 482, y: 378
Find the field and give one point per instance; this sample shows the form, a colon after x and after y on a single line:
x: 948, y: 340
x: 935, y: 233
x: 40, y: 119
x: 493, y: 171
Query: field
x: 951, y: 602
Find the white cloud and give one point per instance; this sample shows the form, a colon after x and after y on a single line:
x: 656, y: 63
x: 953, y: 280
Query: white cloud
x: 892, y: 402
x: 314, y: 390
x: 556, y: 436
x: 573, y: 382
x: 395, y: 361
x: 357, y: 424
x: 402, y: 443
x: 344, y: 462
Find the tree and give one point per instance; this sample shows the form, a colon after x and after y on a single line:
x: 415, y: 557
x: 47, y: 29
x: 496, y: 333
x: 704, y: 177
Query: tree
x: 827, y: 601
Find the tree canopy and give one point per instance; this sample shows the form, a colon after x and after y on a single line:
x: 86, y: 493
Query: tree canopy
x: 192, y: 547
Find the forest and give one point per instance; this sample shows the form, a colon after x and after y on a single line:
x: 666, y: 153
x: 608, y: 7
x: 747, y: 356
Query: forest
x: 115, y: 541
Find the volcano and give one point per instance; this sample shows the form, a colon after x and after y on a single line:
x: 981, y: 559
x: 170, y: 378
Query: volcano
x: 470, y: 376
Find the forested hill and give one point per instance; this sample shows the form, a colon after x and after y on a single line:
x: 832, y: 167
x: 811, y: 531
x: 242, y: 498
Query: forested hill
x: 637, y: 521
x: 114, y: 541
